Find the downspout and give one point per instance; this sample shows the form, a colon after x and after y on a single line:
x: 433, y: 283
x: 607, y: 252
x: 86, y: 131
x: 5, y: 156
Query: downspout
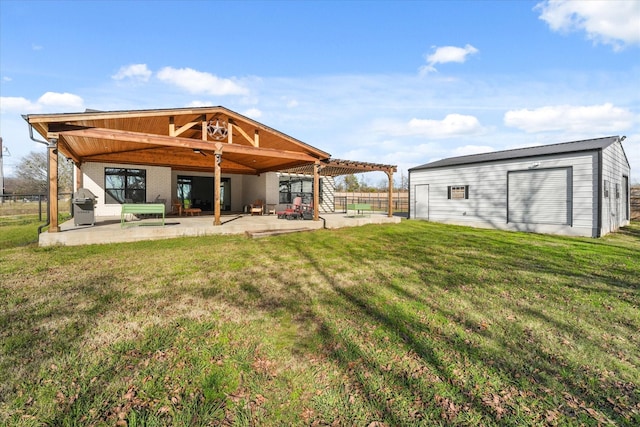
x: 600, y: 200
x: 46, y: 224
x: 409, y: 195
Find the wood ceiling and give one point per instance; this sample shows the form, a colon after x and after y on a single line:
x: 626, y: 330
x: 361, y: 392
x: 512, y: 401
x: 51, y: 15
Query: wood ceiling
x: 177, y: 138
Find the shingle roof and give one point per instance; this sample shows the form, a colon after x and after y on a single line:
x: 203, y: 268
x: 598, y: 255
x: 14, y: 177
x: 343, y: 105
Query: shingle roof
x: 542, y: 150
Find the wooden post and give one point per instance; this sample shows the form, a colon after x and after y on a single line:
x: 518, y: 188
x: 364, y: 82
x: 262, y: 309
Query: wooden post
x: 316, y: 191
x: 390, y: 192
x: 53, y: 186
x: 78, y: 172
x: 216, y: 189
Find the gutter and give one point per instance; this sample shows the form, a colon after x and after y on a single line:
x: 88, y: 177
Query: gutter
x: 46, y: 224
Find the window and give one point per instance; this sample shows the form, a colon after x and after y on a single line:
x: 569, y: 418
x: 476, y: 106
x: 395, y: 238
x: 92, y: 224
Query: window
x: 606, y: 188
x: 295, y: 186
x: 457, y: 192
x: 617, y: 190
x: 125, y: 185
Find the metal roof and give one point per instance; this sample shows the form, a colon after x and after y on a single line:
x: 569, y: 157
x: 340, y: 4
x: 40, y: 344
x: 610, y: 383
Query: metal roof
x: 542, y: 150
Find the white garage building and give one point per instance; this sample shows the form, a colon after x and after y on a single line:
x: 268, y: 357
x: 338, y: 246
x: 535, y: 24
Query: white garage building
x: 578, y: 188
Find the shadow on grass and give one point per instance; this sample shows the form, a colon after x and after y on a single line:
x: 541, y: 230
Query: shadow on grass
x: 563, y: 386
x: 402, y: 367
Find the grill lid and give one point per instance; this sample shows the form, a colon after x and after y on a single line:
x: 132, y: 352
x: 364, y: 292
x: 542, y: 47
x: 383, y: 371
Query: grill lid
x: 84, y: 194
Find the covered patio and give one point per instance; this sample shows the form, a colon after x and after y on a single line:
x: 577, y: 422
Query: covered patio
x: 212, y: 140
x: 108, y: 229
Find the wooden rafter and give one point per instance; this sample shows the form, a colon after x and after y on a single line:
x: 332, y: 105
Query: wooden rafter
x: 255, y: 142
x: 177, y: 132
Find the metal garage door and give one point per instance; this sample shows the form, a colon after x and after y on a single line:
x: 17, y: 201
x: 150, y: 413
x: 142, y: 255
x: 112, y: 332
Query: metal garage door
x: 540, y: 196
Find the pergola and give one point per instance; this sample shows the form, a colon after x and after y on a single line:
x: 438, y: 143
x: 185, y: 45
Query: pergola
x: 204, y: 139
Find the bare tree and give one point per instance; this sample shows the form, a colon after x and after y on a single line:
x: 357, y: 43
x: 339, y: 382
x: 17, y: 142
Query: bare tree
x: 351, y: 183
x: 31, y: 174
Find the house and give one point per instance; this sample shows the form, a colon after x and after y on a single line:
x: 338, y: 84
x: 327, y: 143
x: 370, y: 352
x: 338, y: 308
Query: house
x: 209, y: 157
x: 578, y: 188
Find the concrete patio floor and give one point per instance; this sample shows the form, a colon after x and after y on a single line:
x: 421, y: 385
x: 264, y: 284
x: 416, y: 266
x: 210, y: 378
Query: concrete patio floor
x: 109, y: 229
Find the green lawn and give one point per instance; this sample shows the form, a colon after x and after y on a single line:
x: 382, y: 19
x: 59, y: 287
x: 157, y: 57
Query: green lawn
x: 409, y: 324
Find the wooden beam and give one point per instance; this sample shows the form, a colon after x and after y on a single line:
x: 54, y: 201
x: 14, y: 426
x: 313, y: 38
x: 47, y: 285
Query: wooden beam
x: 267, y: 152
x: 68, y: 151
x: 247, y: 137
x: 176, y: 132
x: 142, y: 138
x: 390, y: 193
x: 77, y: 170
x: 316, y: 192
x: 171, y: 141
x: 216, y: 188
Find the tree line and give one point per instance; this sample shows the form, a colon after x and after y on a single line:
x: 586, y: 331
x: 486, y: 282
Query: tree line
x: 353, y: 183
x: 31, y: 175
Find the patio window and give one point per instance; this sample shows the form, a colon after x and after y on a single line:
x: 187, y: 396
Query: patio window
x: 125, y: 185
x: 295, y: 186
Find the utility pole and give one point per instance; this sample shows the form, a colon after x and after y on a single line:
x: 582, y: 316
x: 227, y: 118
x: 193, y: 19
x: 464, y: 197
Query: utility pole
x: 3, y: 150
x: 1, y: 173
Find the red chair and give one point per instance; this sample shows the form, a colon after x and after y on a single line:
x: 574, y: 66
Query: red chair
x: 292, y: 211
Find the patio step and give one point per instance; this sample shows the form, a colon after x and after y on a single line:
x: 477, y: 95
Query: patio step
x: 266, y: 233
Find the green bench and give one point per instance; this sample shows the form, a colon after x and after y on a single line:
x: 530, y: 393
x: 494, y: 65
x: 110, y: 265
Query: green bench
x: 358, y: 208
x: 142, y: 209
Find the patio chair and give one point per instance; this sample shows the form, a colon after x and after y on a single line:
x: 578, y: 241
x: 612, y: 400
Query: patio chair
x: 306, y: 211
x: 257, y: 207
x: 292, y: 211
x: 176, y: 207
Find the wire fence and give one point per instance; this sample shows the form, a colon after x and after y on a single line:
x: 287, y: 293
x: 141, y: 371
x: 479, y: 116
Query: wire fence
x: 17, y: 208
x: 377, y: 201
x: 635, y: 203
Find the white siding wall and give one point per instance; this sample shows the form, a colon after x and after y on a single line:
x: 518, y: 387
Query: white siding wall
x: 487, y: 202
x: 614, y: 167
x: 158, y: 184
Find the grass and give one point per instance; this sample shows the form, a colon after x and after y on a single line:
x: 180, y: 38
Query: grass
x: 409, y: 324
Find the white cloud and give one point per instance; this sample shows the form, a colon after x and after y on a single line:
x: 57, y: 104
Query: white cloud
x: 292, y: 103
x: 138, y: 72
x: 199, y: 82
x: 446, y: 54
x: 61, y: 101
x: 50, y: 101
x: 6, y: 79
x: 15, y: 104
x: 467, y: 150
x: 452, y: 125
x: 254, y: 113
x: 593, y: 118
x: 36, y: 47
x: 612, y: 23
x: 196, y: 104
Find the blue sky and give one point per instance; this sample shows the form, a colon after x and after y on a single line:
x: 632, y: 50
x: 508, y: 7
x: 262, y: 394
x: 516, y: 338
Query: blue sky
x: 397, y: 82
